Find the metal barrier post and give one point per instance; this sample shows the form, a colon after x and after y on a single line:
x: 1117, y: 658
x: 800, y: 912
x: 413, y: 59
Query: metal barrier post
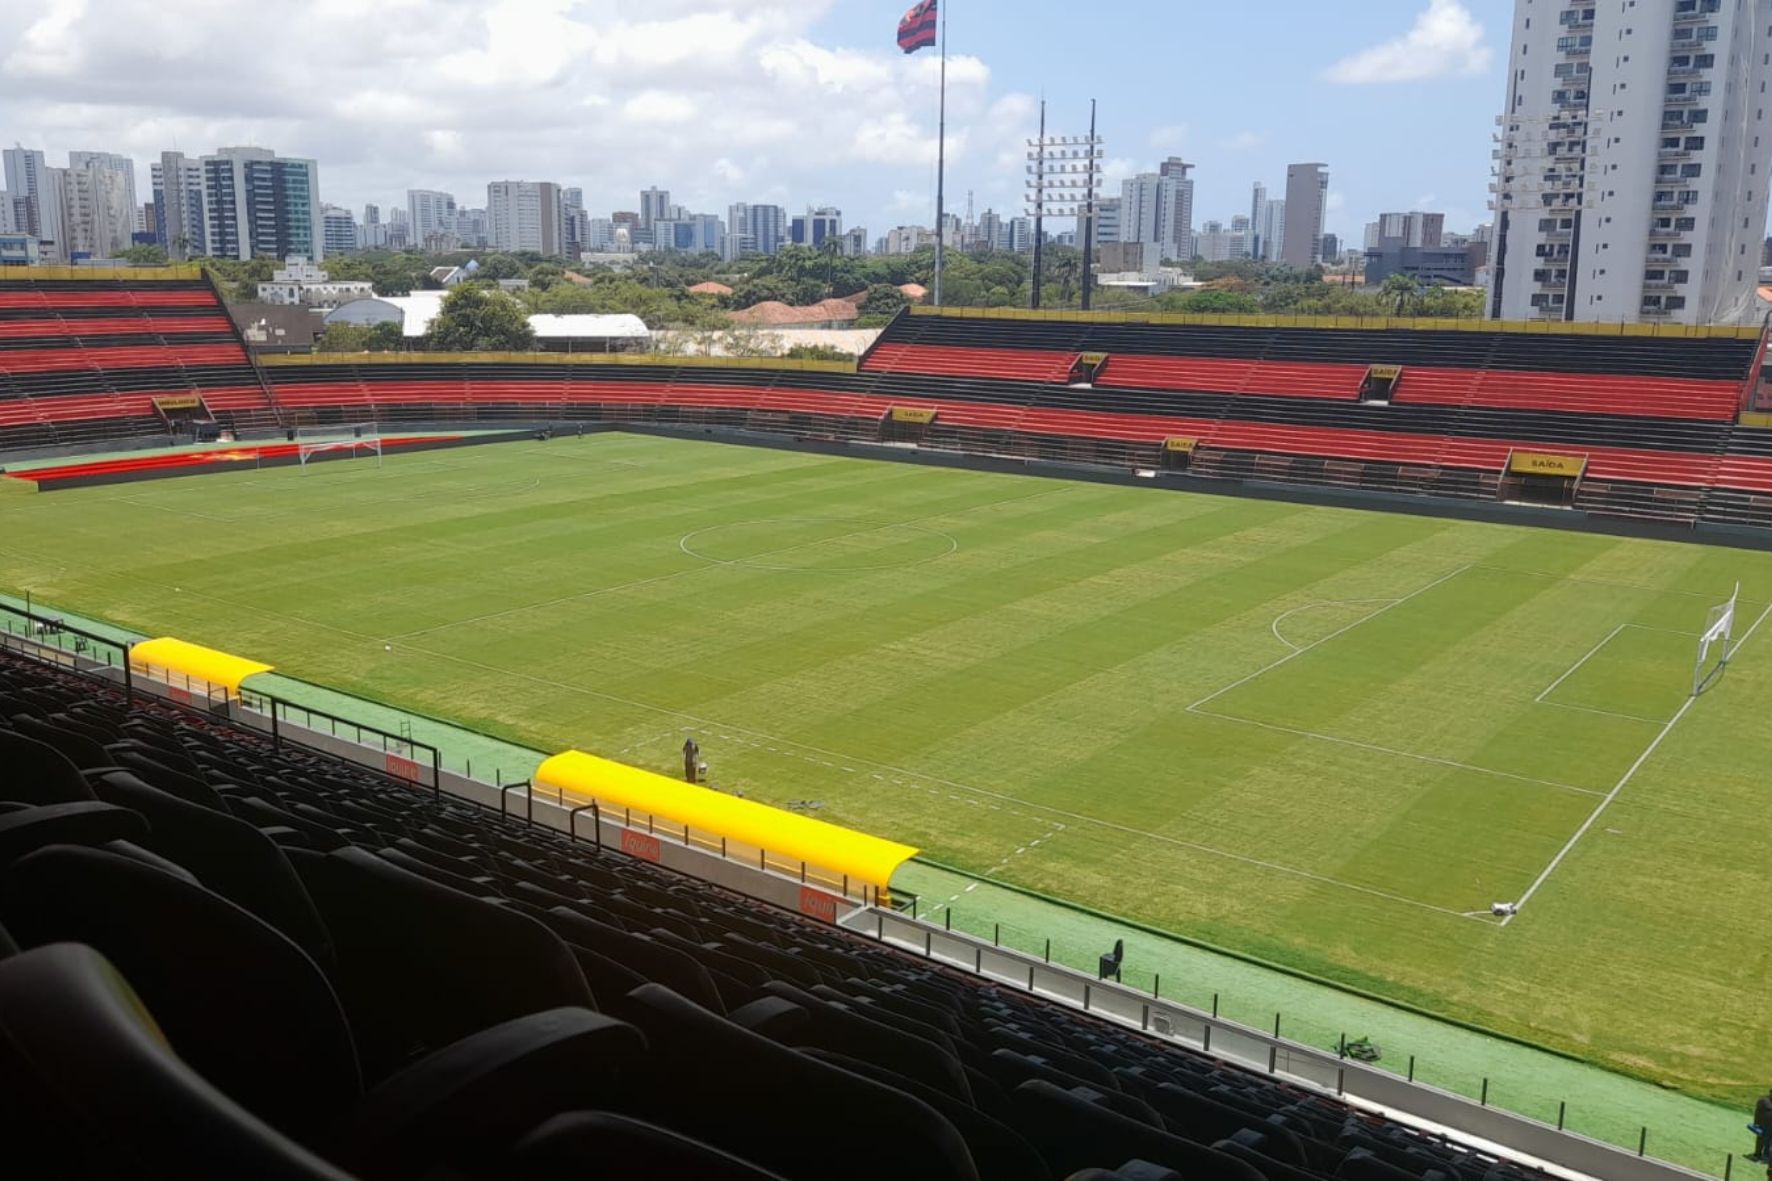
x: 572, y: 820
x: 436, y: 772
x: 276, y: 735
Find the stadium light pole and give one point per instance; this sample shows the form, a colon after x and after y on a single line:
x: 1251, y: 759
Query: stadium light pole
x: 1063, y: 174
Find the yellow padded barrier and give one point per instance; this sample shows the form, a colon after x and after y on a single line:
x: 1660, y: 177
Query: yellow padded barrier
x: 644, y: 360
x: 164, y: 274
x: 194, y: 662
x: 785, y: 835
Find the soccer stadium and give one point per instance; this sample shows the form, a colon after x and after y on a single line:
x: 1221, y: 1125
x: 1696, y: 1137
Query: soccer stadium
x: 1055, y: 745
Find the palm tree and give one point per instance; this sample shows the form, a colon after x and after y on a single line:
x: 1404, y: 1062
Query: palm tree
x: 1400, y: 290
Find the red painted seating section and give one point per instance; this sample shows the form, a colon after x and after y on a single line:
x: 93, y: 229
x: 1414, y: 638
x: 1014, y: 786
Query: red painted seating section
x: 1587, y: 393
x: 1660, y: 467
x: 148, y: 356
x: 49, y: 300
x: 1232, y: 375
x: 951, y: 361
x: 115, y: 325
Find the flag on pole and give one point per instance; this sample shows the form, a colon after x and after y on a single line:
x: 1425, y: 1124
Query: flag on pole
x: 918, y: 28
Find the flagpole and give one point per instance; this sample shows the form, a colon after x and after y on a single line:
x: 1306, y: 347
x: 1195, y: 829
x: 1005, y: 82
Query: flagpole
x: 941, y: 158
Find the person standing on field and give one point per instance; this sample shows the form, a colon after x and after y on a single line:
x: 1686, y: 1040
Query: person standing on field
x: 1762, y: 1126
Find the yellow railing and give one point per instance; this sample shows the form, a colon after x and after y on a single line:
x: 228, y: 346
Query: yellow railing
x: 1369, y: 323
x: 167, y: 273
x: 652, y: 360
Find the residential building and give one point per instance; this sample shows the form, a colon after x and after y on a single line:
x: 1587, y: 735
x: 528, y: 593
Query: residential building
x: 338, y: 229
x: 1157, y: 208
x: 124, y: 167
x: 1428, y: 265
x: 1650, y: 203
x: 815, y: 225
x: 755, y: 229
x: 525, y: 215
x: 1257, y: 219
x: 1018, y: 235
x: 36, y: 195
x: 1307, y: 201
x: 1271, y: 230
x: 906, y: 239
x: 18, y: 250
x: 1108, y: 225
x: 655, y: 205
x: 1330, y: 250
x: 259, y: 204
x: 180, y: 224
x: 430, y: 214
x: 855, y: 241
x: 398, y: 229
x: 990, y: 232
x: 1218, y: 243
x: 299, y: 281
x: 470, y: 227
x: 97, y: 218
x: 692, y: 233
x: 1406, y: 229
x: 7, y: 225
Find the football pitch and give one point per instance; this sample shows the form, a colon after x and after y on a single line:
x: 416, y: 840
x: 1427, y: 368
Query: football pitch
x: 1326, y: 738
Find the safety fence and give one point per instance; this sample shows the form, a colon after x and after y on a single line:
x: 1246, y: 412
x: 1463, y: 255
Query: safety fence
x: 1585, y: 1138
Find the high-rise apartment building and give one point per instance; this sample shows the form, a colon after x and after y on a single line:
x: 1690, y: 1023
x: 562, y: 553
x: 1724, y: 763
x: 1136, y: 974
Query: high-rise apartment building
x: 1108, y: 225
x: 1415, y: 229
x: 759, y: 229
x: 1157, y: 209
x: 525, y: 215
x: 655, y: 205
x: 124, y: 167
x: 36, y: 196
x: 338, y: 229
x: 1631, y: 178
x: 259, y: 204
x: 179, y: 221
x: 430, y: 216
x: 97, y: 217
x: 1257, y: 218
x: 1307, y: 200
x: 815, y: 225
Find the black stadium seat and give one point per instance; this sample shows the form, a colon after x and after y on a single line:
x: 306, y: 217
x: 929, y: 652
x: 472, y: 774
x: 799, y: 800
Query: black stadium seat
x: 329, y: 971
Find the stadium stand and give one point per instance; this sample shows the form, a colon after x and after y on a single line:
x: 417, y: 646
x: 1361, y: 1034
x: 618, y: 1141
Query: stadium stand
x: 86, y: 360
x: 1650, y: 421
x: 245, y: 958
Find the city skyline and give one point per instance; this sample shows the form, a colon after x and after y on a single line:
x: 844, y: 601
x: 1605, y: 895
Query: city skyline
x: 808, y: 105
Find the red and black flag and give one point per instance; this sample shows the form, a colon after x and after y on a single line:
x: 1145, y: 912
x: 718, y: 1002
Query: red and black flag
x: 917, y: 29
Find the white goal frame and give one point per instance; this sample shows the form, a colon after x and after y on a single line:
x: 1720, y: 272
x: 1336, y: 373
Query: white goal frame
x: 353, y: 439
x: 1718, y: 633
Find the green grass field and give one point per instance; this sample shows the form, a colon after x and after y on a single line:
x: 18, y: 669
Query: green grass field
x: 1323, y: 737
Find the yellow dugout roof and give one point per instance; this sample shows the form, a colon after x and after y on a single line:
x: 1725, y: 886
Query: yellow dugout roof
x: 195, y: 661
x: 786, y: 834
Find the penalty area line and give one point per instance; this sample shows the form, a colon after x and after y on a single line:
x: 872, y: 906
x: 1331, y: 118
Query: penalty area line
x: 1623, y: 780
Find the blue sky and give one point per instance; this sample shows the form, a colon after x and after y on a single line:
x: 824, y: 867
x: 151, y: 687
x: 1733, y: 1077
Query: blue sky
x: 788, y: 101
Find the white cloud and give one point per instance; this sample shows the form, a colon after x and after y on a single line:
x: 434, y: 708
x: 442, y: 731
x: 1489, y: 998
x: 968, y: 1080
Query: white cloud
x: 1245, y: 141
x: 1445, y: 42
x: 717, y: 100
x: 1170, y: 138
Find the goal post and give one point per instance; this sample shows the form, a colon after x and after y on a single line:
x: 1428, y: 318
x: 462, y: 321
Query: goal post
x: 346, y: 442
x: 1714, y: 643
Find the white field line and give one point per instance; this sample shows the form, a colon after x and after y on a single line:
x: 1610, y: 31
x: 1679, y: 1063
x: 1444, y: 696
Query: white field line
x: 710, y: 564
x: 1604, y: 713
x: 1636, y: 586
x: 1630, y: 773
x: 1296, y: 653
x: 1576, y: 667
x: 1283, y: 616
x: 1078, y: 817
x: 1401, y: 754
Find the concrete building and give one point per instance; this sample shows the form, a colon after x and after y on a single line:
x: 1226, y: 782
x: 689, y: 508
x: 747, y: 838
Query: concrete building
x: 1018, y: 235
x: 1271, y: 230
x: 655, y: 205
x: 1630, y: 183
x: 1157, y: 208
x: 259, y: 204
x: 430, y: 214
x: 815, y: 225
x: 525, y: 215
x: 36, y: 195
x: 18, y: 250
x: 906, y: 239
x: 1307, y: 200
x: 300, y: 282
x: 180, y: 224
x: 693, y: 233
x: 338, y: 229
x: 97, y: 218
x: 1108, y: 220
x: 1454, y: 266
x: 1424, y: 230
x: 755, y: 229
x: 124, y: 167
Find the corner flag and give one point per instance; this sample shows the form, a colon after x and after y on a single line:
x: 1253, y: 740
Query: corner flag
x: 917, y: 29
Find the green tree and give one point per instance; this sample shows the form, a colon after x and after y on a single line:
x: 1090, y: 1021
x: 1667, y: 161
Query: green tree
x: 1400, y: 291
x: 818, y: 352
x: 343, y: 338
x: 883, y: 299
x: 144, y: 256
x: 476, y: 318
x: 499, y: 266
x: 1213, y: 303
x: 386, y: 337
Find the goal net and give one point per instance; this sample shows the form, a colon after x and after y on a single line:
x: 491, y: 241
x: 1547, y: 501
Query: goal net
x: 1714, y: 643
x: 338, y: 442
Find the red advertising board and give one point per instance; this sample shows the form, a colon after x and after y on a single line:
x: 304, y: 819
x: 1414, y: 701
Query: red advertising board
x: 402, y: 768
x: 818, y: 904
x: 638, y: 844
